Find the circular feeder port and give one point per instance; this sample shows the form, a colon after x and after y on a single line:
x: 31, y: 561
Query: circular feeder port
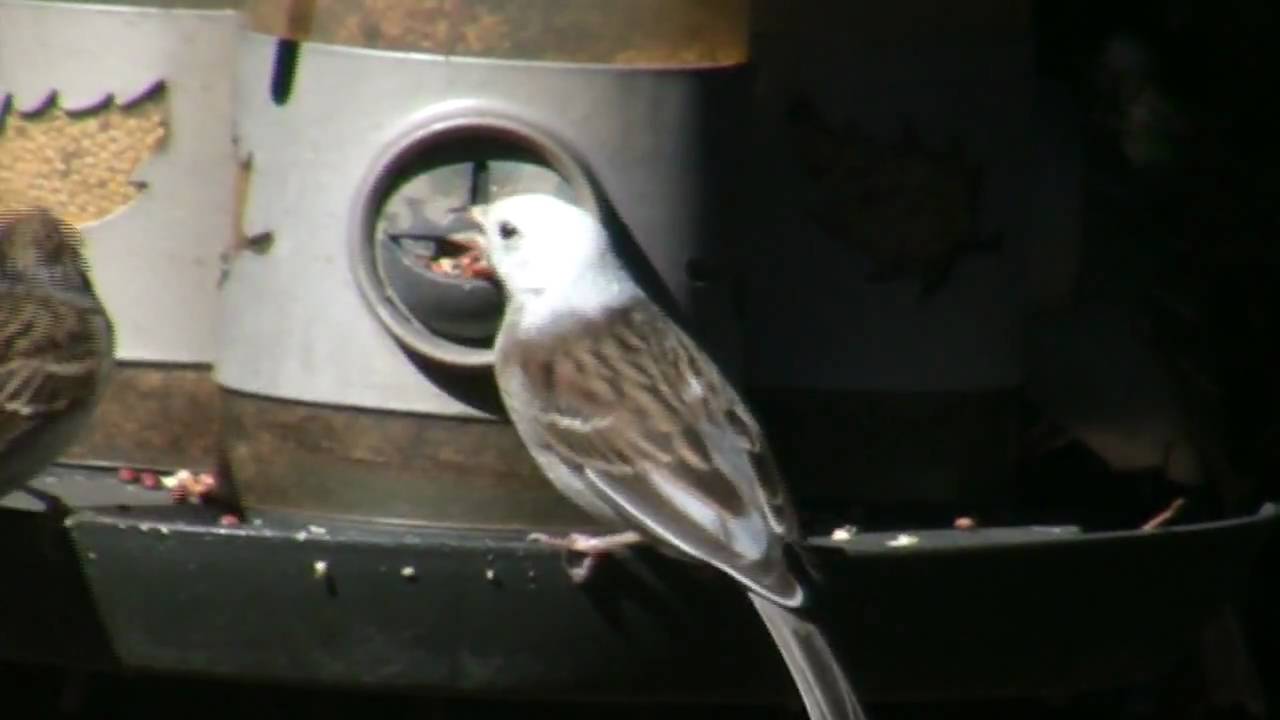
x: 435, y: 296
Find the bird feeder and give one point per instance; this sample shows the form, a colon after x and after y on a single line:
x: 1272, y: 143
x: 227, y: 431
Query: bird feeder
x: 131, y: 145
x: 358, y: 384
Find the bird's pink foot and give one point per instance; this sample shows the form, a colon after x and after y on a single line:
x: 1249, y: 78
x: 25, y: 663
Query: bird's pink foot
x: 589, y: 544
x: 592, y: 547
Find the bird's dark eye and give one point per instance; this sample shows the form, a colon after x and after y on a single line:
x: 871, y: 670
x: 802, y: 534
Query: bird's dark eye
x: 506, y: 230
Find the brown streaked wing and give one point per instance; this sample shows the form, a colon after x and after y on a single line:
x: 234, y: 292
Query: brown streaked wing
x: 729, y: 407
x: 722, y: 403
x: 616, y: 398
x: 49, y: 359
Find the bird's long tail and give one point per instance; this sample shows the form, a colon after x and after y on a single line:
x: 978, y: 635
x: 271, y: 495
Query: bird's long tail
x: 823, y: 687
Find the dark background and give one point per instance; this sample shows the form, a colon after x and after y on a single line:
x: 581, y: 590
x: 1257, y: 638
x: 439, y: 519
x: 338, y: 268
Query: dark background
x: 1212, y: 200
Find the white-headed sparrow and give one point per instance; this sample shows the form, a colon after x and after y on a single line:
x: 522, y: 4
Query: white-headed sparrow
x: 56, y: 342
x: 631, y: 420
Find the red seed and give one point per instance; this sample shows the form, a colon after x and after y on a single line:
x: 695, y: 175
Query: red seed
x: 150, y: 480
x: 965, y: 523
x: 203, y: 486
x: 228, y: 519
x: 127, y: 475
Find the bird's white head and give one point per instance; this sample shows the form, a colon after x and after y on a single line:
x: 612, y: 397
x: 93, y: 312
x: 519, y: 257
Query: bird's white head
x: 547, y: 251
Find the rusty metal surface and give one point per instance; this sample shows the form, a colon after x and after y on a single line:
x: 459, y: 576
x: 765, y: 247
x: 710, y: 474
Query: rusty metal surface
x: 153, y: 416
x: 619, y: 32
x: 895, y: 24
x: 159, y: 4
x: 397, y: 467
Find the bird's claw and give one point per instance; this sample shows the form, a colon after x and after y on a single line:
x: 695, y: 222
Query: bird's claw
x: 580, y: 571
x: 576, y: 542
x: 593, y: 547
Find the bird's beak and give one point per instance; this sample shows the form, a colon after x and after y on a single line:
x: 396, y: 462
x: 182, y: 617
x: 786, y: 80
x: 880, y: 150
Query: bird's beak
x: 466, y: 227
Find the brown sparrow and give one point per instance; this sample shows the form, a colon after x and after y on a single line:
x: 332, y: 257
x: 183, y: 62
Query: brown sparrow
x: 632, y: 421
x: 56, y: 343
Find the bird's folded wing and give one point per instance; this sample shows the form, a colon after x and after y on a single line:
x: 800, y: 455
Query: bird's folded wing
x: 49, y: 359
x: 653, y: 427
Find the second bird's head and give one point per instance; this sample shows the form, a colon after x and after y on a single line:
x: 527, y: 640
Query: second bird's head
x: 40, y: 249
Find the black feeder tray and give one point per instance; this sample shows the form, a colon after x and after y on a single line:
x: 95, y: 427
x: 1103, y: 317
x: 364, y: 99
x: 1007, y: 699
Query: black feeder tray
x: 128, y: 582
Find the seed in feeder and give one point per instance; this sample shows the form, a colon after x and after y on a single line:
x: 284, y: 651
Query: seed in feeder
x: 150, y: 480
x: 182, y: 478
x: 903, y: 540
x: 320, y: 569
x: 965, y: 523
x: 844, y: 533
x: 178, y: 495
x: 408, y: 572
x: 203, y: 485
x: 127, y: 475
x: 229, y: 519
